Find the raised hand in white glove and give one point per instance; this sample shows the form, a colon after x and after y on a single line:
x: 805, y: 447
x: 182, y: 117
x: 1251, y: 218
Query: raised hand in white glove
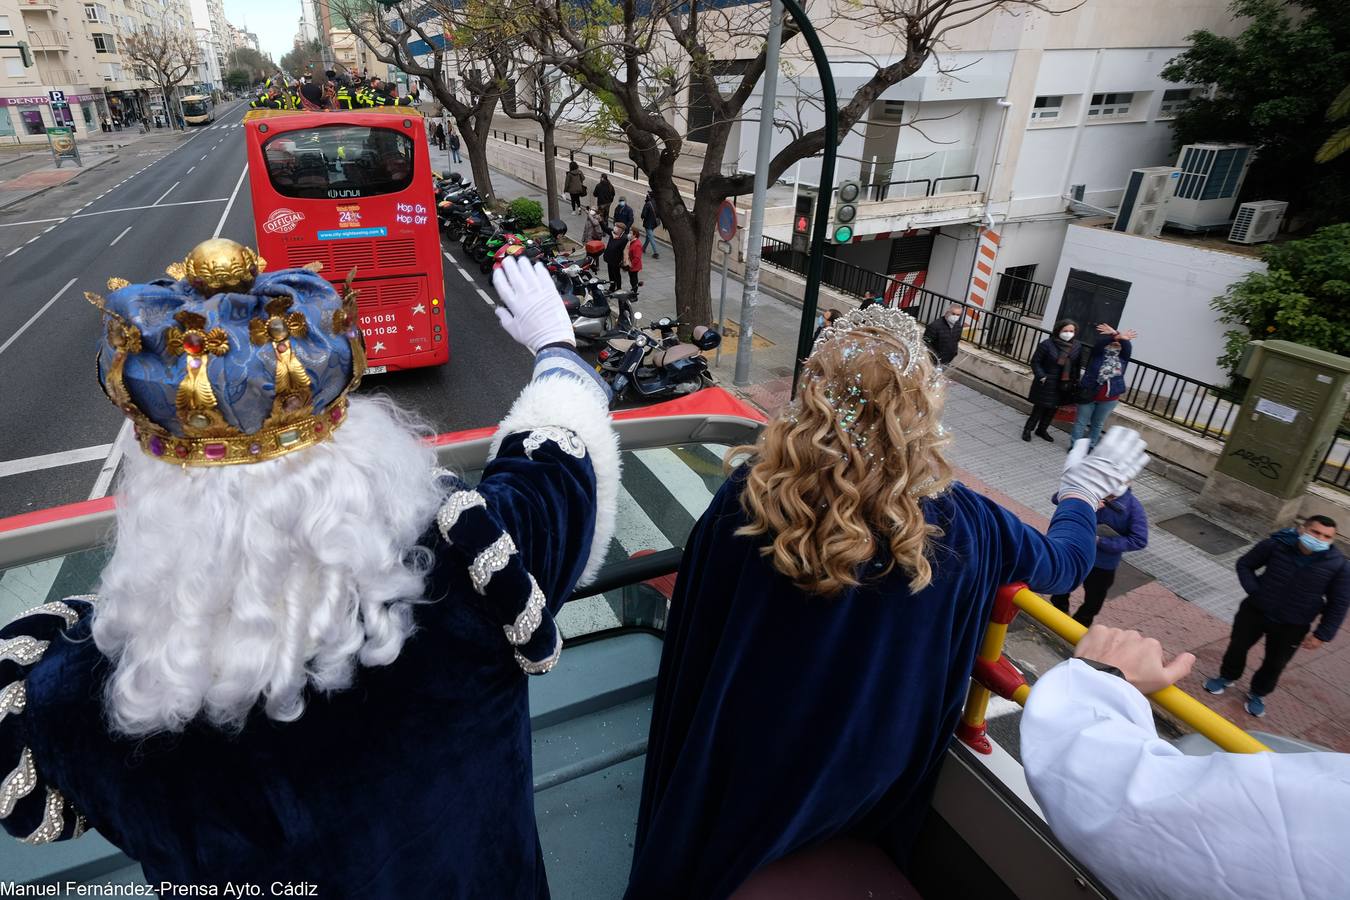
x: 534, y: 313
x: 1108, y: 471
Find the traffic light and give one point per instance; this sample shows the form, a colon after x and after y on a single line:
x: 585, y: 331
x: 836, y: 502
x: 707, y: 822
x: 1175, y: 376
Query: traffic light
x: 845, y: 211
x: 26, y: 55
x: 801, y: 223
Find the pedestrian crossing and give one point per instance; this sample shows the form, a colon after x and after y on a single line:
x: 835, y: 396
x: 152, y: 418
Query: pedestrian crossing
x: 224, y: 125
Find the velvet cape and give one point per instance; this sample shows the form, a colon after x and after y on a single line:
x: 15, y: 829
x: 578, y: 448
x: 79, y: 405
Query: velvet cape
x: 782, y: 720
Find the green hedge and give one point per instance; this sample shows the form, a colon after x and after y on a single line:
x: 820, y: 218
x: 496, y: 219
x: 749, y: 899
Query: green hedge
x: 528, y: 213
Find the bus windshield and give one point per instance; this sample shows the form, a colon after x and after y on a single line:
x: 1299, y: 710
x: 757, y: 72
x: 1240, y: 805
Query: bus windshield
x: 195, y: 107
x: 336, y: 161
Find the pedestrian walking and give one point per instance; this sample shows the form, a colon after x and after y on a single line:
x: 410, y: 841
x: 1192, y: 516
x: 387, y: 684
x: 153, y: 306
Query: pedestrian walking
x: 650, y: 222
x: 623, y: 214
x: 943, y: 334
x: 574, y: 185
x: 453, y: 139
x: 1122, y: 527
x: 633, y: 263
x: 869, y: 298
x: 1056, y: 369
x: 615, y: 252
x: 594, y: 229
x: 1103, y: 381
x: 440, y: 136
x: 604, y: 196
x: 1305, y: 578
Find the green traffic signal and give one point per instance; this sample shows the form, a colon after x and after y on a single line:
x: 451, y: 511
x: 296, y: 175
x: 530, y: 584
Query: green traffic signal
x: 25, y: 54
x: 843, y: 234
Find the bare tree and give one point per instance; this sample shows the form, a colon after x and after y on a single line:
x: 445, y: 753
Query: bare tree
x: 551, y: 95
x: 635, y: 54
x: 481, y: 57
x: 167, y: 56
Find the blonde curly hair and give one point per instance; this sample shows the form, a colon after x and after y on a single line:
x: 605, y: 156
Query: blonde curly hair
x: 846, y: 465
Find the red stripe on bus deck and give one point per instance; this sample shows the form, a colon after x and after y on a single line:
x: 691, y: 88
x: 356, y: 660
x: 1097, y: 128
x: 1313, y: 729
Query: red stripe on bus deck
x: 56, y: 514
x: 712, y: 401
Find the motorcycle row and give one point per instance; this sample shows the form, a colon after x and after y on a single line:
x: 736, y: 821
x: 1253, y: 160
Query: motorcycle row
x: 638, y: 363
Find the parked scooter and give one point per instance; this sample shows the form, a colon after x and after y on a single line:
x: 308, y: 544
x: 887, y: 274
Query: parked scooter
x: 594, y: 320
x: 648, y: 370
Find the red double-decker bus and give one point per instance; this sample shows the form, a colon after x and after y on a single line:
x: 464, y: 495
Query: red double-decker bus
x: 352, y: 190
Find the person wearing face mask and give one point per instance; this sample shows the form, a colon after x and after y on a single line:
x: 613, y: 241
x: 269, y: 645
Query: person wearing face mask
x: 822, y: 320
x: 943, y: 335
x: 1103, y: 382
x: 1305, y: 578
x: 1056, y: 369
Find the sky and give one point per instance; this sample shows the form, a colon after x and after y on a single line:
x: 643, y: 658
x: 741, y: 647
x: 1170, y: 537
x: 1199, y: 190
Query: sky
x: 275, y: 22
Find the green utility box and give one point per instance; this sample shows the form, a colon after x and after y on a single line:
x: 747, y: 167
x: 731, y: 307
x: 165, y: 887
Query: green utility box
x: 1289, y: 418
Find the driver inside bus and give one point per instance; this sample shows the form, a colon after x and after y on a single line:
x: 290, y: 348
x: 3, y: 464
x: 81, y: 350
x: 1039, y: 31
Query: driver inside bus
x: 307, y: 659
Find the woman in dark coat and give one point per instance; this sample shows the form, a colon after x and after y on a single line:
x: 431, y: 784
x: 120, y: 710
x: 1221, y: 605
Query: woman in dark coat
x: 615, y: 252
x: 574, y: 185
x: 1056, y: 368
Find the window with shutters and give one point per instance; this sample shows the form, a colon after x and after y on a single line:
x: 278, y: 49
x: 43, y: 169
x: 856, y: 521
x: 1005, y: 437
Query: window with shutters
x: 1110, y: 106
x: 1048, y: 108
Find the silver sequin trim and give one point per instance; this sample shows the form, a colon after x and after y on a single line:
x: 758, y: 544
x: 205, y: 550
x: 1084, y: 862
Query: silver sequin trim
x: 523, y: 628
x: 53, y: 820
x: 12, y: 699
x: 81, y: 826
x: 18, y: 784
x: 565, y: 438
x: 530, y: 667
x: 23, y: 650
x: 454, y: 507
x: 55, y: 608
x: 491, y: 561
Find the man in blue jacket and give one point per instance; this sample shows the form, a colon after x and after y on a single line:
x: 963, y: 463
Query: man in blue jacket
x: 1305, y: 577
x: 1122, y: 526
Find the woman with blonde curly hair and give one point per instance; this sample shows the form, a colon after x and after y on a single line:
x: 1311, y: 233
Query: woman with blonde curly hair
x: 826, y: 618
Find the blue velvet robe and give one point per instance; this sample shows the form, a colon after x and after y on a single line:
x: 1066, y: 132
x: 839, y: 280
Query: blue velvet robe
x: 782, y: 720
x: 415, y: 782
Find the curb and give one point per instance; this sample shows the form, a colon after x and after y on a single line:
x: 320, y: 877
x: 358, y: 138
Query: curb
x: 87, y: 169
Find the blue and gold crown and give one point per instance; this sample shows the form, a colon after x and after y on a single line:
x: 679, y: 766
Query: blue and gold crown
x: 221, y: 364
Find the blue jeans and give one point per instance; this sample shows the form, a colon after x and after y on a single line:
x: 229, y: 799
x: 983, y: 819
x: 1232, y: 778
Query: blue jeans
x: 454, y: 154
x: 649, y: 242
x: 1091, y: 418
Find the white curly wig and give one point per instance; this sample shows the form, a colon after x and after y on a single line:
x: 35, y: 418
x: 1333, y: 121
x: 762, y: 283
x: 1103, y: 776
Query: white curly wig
x: 232, y: 585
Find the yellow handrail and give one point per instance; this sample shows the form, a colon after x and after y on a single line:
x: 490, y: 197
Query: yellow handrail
x: 1176, y: 701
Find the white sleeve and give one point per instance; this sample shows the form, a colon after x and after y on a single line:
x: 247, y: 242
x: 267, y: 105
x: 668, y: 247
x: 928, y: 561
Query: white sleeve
x: 1150, y: 821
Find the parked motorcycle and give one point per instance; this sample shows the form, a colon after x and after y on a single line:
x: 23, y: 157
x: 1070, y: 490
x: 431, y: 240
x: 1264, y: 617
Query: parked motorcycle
x: 649, y: 366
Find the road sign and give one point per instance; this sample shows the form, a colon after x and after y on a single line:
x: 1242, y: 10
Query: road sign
x: 726, y: 221
x: 57, y: 96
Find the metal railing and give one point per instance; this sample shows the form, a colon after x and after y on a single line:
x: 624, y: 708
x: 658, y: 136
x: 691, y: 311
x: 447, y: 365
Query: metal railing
x: 1334, y: 469
x: 1179, y: 399
x: 1021, y: 296
x: 573, y: 154
x: 996, y: 675
x: 879, y: 191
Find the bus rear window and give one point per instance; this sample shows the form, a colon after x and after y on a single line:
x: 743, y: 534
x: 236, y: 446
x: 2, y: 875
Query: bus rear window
x: 337, y: 161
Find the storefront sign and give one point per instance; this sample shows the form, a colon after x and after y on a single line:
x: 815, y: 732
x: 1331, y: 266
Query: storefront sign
x: 43, y: 100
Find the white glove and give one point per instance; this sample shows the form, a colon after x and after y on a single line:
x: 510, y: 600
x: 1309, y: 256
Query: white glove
x: 1119, y: 457
x: 534, y: 313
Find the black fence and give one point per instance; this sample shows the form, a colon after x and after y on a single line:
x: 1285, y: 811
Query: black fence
x: 1182, y: 401
x: 1021, y: 296
x: 1335, y: 466
x: 615, y: 166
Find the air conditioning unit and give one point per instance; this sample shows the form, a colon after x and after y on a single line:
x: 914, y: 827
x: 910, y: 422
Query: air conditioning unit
x: 1144, y: 206
x: 1211, y: 177
x: 1257, y: 222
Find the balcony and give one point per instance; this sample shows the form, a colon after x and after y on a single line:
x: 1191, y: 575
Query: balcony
x: 48, y: 39
x: 56, y: 77
x: 37, y: 5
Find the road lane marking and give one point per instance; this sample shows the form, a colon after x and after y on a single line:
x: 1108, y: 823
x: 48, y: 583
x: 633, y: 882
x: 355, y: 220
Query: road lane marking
x: 166, y: 193
x: 238, y: 184
x: 26, y: 325
x: 58, y: 220
x: 120, y: 236
x: 467, y: 276
x: 104, y: 212
x: 486, y: 299
x: 53, y: 460
x: 189, y: 171
x: 204, y: 156
x: 105, y: 475
x: 12, y: 252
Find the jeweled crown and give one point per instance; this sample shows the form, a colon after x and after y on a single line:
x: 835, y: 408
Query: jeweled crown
x: 221, y: 364
x: 898, y: 322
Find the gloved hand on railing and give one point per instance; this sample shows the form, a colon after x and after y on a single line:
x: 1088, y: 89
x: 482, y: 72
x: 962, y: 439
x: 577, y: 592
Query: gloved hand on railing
x: 534, y: 313
x: 1108, y: 471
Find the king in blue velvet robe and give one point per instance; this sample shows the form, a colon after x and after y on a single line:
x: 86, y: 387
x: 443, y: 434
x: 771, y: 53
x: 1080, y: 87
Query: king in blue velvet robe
x: 416, y: 781
x: 782, y: 720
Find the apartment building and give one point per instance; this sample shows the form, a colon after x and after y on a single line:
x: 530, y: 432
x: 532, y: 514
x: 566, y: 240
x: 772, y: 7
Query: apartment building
x: 77, y: 48
x: 994, y: 133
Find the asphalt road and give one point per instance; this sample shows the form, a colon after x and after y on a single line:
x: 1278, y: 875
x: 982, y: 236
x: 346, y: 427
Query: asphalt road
x: 59, y: 436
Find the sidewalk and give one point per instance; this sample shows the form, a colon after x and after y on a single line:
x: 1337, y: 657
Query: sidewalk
x: 32, y: 172
x: 1173, y: 590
